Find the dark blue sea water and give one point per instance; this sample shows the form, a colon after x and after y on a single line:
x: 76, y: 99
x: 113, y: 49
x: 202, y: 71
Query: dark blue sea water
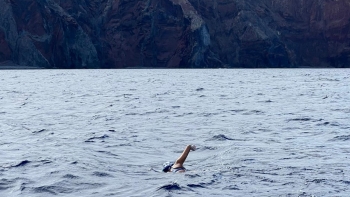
x: 107, y: 132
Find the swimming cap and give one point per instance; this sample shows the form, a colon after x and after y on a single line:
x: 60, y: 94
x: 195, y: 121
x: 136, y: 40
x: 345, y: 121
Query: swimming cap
x: 167, y: 166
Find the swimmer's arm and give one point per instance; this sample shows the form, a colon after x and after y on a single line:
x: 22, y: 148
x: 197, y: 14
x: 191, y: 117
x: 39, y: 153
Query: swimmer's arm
x: 181, y: 160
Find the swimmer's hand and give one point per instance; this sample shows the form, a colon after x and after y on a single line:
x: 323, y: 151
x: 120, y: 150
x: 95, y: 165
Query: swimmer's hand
x: 193, y: 148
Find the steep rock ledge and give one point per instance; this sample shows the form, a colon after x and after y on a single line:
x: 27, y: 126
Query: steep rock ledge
x: 175, y: 33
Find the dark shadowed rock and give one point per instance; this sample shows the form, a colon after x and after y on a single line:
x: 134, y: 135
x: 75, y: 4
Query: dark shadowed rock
x: 175, y: 33
x: 5, y: 51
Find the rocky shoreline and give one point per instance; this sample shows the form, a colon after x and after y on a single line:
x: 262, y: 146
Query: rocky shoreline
x: 9, y: 65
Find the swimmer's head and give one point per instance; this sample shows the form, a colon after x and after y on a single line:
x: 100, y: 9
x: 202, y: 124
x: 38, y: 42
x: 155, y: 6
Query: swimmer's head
x: 167, y: 166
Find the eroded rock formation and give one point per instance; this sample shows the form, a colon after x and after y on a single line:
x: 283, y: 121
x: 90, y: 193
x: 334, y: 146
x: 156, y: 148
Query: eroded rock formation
x: 175, y: 33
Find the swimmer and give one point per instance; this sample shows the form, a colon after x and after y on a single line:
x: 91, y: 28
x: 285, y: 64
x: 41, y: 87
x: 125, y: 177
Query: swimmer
x: 178, y: 165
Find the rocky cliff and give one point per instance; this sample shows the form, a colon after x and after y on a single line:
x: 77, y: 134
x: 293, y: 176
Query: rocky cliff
x: 175, y: 33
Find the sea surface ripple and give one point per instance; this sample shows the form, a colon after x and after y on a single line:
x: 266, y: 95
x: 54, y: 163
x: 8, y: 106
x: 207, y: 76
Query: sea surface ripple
x: 107, y: 132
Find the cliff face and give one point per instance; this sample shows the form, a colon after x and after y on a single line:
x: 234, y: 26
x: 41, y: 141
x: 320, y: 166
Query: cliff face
x: 175, y: 33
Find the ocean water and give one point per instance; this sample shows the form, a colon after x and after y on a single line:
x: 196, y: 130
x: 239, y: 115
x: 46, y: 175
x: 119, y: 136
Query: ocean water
x: 107, y: 132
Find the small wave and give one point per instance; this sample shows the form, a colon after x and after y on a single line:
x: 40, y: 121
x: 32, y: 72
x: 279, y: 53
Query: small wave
x: 346, y: 182
x: 97, y: 138
x: 45, y: 161
x: 323, y: 124
x: 192, y: 175
x: 195, y: 186
x: 26, y: 162
x: 157, y: 111
x: 102, y: 174
x: 209, y: 148
x: 5, y: 184
x: 328, y: 79
x: 108, y: 153
x: 248, y: 160
x: 342, y: 110
x: 184, y: 114
x: 70, y: 176
x: 127, y: 95
x: 268, y: 180
x: 22, y: 163
x: 235, y: 110
x: 318, y: 180
x: 232, y: 187
x: 4, y: 187
x: 334, y: 124
x: 211, y: 182
x: 39, y: 131
x: 257, y: 112
x: 52, y: 189
x: 170, y: 187
x: 127, y: 144
x: 131, y: 114
x: 199, y: 89
x: 266, y: 101
x: 220, y: 137
x: 208, y: 114
x: 288, y: 183
x: 299, y: 119
x: 341, y: 138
